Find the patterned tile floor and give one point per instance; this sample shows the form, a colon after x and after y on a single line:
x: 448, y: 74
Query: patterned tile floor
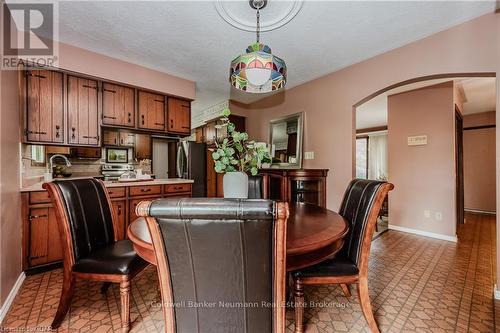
x: 417, y: 284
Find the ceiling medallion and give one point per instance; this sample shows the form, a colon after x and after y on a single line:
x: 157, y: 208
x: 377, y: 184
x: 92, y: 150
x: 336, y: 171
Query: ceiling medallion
x: 282, y: 13
x: 258, y: 70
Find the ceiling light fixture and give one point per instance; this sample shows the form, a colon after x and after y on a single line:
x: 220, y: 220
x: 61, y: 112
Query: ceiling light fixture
x: 258, y: 71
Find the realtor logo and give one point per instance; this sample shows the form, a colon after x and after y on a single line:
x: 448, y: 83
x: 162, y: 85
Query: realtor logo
x: 29, y: 30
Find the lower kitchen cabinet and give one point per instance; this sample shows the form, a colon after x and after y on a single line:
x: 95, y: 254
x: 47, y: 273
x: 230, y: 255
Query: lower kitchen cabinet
x: 120, y: 211
x: 44, y: 244
x: 41, y: 241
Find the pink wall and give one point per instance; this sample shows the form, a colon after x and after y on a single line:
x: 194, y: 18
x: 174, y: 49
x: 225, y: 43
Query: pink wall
x: 328, y: 101
x: 472, y: 47
x: 10, y: 198
x: 479, y: 163
x: 423, y: 176
x: 91, y: 63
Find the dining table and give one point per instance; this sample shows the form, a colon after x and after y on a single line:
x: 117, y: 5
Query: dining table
x: 314, y: 234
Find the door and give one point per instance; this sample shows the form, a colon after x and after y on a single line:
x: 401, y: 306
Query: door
x: 44, y: 118
x: 142, y: 146
x: 82, y: 111
x: 459, y: 165
x: 151, y: 111
x: 44, y: 241
x: 118, y: 105
x: 160, y: 158
x: 120, y: 208
x: 179, y: 116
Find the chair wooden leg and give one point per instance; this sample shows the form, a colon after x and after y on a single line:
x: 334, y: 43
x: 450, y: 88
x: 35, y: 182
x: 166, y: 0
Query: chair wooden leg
x: 298, y: 291
x: 364, y: 299
x: 105, y: 287
x: 68, y: 289
x: 125, y: 305
x: 346, y: 290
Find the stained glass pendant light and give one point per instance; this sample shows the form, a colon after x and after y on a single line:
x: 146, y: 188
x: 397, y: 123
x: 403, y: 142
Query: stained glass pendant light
x: 258, y: 70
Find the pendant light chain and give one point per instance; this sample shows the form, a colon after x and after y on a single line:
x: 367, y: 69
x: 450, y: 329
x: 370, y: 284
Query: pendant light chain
x: 258, y: 25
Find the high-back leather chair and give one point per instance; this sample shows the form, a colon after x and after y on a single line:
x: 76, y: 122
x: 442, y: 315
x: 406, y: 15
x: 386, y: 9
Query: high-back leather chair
x: 86, y: 224
x: 255, y: 189
x: 221, y: 263
x: 360, y: 208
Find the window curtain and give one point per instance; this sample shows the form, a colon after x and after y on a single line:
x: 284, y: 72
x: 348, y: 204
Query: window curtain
x: 377, y: 156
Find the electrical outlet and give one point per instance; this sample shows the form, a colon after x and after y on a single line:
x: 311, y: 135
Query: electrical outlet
x: 419, y: 140
x: 427, y: 213
x: 438, y: 216
x: 309, y: 155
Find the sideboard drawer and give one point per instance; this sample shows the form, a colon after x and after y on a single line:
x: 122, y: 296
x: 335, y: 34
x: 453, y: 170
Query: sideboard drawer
x: 136, y: 191
x: 178, y: 188
x: 39, y: 197
x: 116, y: 192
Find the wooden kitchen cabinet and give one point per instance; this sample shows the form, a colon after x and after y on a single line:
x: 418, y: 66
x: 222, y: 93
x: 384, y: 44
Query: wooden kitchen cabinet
x: 44, y: 107
x: 179, y: 116
x: 118, y: 105
x: 83, y: 117
x: 143, y: 146
x: 151, y: 111
x: 127, y: 139
x: 110, y: 137
x: 120, y: 211
x: 44, y: 241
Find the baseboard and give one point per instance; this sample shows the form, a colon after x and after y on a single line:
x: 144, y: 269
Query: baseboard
x: 478, y: 211
x: 10, y: 298
x: 423, y: 233
x: 496, y: 292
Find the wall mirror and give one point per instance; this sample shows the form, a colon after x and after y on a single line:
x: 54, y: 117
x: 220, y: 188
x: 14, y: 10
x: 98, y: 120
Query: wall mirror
x: 285, y: 138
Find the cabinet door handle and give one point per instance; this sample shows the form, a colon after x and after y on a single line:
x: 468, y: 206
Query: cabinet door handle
x: 91, y: 137
x: 185, y: 127
x: 142, y: 119
x: 109, y: 90
x: 35, y: 132
x: 108, y: 117
x: 159, y: 101
x: 57, y: 131
x: 121, y: 141
x: 115, y: 140
x: 145, y: 190
x: 119, y: 210
x: 129, y: 117
x: 73, y: 136
x: 32, y: 217
x: 90, y: 87
x: 160, y: 124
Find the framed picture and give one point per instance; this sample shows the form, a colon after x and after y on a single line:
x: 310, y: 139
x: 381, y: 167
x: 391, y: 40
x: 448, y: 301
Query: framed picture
x: 116, y: 155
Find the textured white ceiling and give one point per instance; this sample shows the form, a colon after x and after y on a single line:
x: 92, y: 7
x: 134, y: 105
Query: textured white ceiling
x: 479, y: 93
x: 189, y: 39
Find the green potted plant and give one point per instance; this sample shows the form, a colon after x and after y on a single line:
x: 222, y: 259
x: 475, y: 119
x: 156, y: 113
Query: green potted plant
x: 235, y: 156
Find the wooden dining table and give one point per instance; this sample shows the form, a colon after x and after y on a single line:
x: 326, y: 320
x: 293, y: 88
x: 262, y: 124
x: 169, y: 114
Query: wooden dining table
x: 313, y: 235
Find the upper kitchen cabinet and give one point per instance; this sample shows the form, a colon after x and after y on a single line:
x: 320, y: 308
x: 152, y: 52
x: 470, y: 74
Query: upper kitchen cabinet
x: 83, y: 115
x: 179, y: 116
x: 44, y: 107
x: 151, y: 111
x: 118, y: 105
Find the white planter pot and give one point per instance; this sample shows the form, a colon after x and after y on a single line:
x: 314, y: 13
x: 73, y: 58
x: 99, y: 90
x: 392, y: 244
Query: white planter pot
x: 235, y: 185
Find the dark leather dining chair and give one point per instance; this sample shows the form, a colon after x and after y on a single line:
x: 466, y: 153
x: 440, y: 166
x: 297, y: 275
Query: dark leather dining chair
x: 255, y: 189
x: 360, y: 207
x: 86, y: 224
x: 221, y: 263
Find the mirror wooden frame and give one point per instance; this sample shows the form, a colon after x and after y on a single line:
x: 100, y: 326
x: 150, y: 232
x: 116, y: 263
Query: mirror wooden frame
x: 300, y: 135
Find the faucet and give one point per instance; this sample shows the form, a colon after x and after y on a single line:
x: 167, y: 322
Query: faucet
x: 51, y: 161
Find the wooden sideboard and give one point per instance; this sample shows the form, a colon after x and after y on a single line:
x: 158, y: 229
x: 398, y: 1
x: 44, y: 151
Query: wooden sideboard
x: 41, y: 242
x: 296, y: 185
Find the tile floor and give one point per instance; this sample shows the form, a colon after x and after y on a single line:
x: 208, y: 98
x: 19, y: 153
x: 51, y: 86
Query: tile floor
x: 417, y: 284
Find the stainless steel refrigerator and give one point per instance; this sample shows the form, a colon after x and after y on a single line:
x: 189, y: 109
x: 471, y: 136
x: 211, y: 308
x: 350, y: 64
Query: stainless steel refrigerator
x: 192, y: 164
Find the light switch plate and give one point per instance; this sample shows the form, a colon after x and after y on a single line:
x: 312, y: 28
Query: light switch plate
x: 418, y: 140
x: 309, y: 155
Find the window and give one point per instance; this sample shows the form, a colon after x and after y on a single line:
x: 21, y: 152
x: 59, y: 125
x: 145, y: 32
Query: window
x: 37, y: 155
x: 362, y: 157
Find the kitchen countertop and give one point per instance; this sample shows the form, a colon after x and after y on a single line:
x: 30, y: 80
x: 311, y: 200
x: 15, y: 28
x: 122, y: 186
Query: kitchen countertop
x: 38, y: 186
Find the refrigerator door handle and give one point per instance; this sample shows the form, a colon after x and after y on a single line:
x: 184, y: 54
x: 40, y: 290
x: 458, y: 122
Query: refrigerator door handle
x: 179, y: 161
